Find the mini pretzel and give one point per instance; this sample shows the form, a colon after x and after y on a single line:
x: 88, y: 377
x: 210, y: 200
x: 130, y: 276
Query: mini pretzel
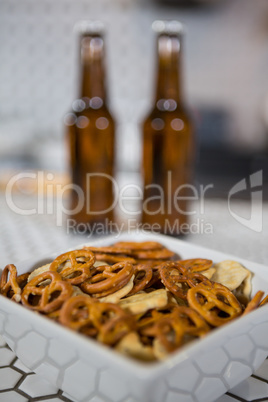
x: 76, y: 314
x: 146, y: 245
x: 107, y: 250
x: 254, y: 302
x: 163, y: 254
x: 11, y: 283
x: 108, y: 279
x: 216, y: 304
x: 141, y: 251
x: 173, y: 329
x: 111, y: 321
x: 169, y: 332
x: 154, y: 315
x: 143, y: 277
x: 192, y: 322
x: 113, y: 259
x: 178, y: 280
x: 151, y: 263
x: 22, y: 282
x: 196, y: 264
x: 23, y: 279
x: 47, y: 298
x: 79, y: 271
x: 156, y: 280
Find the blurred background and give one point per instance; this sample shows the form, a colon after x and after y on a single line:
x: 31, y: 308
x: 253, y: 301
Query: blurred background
x: 225, y: 77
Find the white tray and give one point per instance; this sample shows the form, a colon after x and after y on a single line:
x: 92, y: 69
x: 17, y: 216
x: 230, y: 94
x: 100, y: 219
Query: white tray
x: 84, y: 369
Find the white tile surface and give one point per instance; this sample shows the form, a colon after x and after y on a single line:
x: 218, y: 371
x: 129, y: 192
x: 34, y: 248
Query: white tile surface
x: 226, y: 398
x: 66, y: 395
x: 49, y: 372
x: 251, y: 389
x: 6, y: 357
x: 12, y: 396
x: 173, y: 397
x: 97, y: 399
x: 37, y: 348
x: 205, y: 390
x: 53, y: 400
x: 8, y: 378
x: 35, y: 386
x: 18, y: 364
x: 262, y: 372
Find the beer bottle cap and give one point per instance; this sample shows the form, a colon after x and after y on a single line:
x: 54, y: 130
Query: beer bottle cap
x: 168, y: 27
x: 88, y: 27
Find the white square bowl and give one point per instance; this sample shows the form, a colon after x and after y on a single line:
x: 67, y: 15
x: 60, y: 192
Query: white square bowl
x: 86, y: 370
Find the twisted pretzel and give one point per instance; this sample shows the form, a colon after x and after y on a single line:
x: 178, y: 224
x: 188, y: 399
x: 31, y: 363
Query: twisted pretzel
x: 146, y: 245
x: 11, y: 284
x: 215, y: 303
x: 107, y: 321
x: 178, y: 280
x: 192, y: 322
x: 111, y: 321
x: 111, y: 254
x: 153, y: 316
x: 196, y: 264
x: 113, y: 259
x: 108, y: 250
x: 119, y: 251
x: 76, y: 314
x: 162, y: 254
x: 46, y: 298
x: 173, y: 330
x: 156, y: 280
x: 79, y: 271
x: 108, y: 279
x: 143, y: 278
x: 169, y: 332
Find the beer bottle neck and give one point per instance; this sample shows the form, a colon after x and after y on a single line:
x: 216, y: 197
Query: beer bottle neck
x: 93, y: 74
x: 169, y: 69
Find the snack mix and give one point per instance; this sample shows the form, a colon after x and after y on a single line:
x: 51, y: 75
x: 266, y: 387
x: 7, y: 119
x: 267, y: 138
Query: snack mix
x: 138, y: 297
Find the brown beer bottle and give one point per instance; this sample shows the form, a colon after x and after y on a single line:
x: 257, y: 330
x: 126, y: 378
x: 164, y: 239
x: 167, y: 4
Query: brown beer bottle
x: 90, y: 131
x: 167, y: 140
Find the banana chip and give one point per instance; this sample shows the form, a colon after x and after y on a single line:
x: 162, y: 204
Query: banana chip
x: 208, y: 273
x: 142, y: 302
x: 131, y: 345
x: 38, y: 271
x: 233, y: 275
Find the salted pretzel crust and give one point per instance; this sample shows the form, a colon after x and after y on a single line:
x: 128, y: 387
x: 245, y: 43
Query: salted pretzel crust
x: 68, y: 272
x: 46, y: 303
x: 215, y: 303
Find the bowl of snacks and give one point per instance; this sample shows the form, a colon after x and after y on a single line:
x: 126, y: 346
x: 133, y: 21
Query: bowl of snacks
x: 137, y: 317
